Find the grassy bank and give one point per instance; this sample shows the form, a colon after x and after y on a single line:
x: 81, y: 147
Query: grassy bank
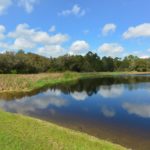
x: 29, y: 82
x: 21, y: 133
x: 24, y: 133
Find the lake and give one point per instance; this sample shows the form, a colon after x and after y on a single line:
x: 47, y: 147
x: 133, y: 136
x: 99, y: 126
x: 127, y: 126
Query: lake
x: 114, y: 108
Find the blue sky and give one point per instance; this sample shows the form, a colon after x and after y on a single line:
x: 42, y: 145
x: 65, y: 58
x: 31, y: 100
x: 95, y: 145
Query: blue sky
x: 53, y: 28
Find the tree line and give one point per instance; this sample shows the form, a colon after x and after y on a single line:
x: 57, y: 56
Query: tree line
x: 21, y: 62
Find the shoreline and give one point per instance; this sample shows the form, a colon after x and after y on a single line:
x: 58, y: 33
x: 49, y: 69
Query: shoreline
x: 30, y: 133
x: 48, y: 79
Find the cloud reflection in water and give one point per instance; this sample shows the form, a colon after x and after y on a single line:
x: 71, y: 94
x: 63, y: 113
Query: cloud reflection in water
x: 79, y: 96
x: 111, y: 91
x: 31, y: 104
x: 108, y: 112
x: 141, y: 110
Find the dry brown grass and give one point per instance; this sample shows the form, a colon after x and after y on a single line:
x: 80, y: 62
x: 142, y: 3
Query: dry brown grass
x: 11, y: 82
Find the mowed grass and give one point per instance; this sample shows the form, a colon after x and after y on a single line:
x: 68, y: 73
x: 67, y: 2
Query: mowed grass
x: 24, y: 133
x: 29, y: 82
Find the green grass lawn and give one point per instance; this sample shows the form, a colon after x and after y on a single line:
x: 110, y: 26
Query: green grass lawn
x: 24, y: 133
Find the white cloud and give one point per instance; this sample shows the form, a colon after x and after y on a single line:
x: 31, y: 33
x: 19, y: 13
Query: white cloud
x: 75, y: 10
x: 144, y: 56
x: 2, y: 30
x: 45, y: 38
x: 111, y: 49
x: 4, y: 46
x: 111, y: 91
x: 4, y: 4
x: 108, y: 28
x: 24, y: 37
x: 142, y: 30
x: 21, y: 43
x: 23, y: 31
x: 28, y: 5
x: 59, y: 38
x: 52, y: 29
x: 79, y: 47
x: 142, y: 110
x: 51, y: 50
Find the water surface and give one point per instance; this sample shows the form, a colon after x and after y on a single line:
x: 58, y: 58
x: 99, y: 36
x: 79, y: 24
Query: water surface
x: 113, y: 108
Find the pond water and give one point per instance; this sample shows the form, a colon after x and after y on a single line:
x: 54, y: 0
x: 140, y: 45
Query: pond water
x: 115, y: 108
